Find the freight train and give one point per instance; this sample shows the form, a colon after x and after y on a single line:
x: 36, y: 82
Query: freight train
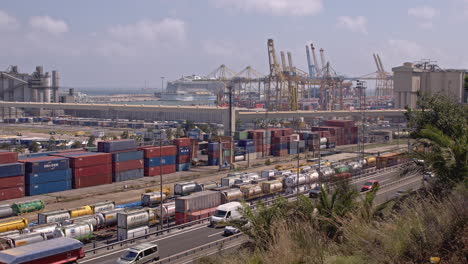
x: 82, y: 221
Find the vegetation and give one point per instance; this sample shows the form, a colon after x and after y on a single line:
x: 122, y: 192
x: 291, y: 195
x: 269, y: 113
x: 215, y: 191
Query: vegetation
x: 91, y: 141
x: 5, y: 145
x: 124, y: 135
x: 77, y: 144
x: 51, y: 144
x: 342, y: 226
x: 20, y: 149
x: 34, y: 147
x: 169, y: 133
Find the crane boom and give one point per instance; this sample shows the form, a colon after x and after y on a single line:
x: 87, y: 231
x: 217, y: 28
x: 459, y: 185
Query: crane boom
x: 318, y: 70
x: 380, y: 63
x: 291, y: 67
x: 283, y: 61
x: 376, y: 63
x: 309, y: 63
x: 322, y: 59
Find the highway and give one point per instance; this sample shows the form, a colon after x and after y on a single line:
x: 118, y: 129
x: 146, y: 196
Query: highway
x: 181, y: 240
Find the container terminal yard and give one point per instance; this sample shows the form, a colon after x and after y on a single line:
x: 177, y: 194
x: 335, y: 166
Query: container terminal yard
x: 83, y: 178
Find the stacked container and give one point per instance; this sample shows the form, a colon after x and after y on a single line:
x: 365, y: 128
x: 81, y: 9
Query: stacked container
x: 11, y: 176
x: 89, y: 168
x: 280, y: 146
x: 213, y: 153
x: 47, y: 174
x: 159, y: 160
x: 196, y: 206
x: 127, y: 161
x: 183, y: 154
x: 132, y: 224
x: 349, y: 131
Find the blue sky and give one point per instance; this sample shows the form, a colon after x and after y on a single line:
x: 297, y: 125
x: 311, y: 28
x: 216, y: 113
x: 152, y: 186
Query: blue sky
x: 118, y: 43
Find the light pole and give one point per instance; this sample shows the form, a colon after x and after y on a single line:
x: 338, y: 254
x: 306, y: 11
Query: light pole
x: 161, y: 184
x: 162, y: 84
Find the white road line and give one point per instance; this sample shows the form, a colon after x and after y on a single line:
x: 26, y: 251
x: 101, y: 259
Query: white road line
x: 120, y: 250
x: 384, y: 180
x: 215, y: 234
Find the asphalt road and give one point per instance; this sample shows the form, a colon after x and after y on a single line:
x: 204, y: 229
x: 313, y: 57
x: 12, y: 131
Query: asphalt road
x: 191, y: 237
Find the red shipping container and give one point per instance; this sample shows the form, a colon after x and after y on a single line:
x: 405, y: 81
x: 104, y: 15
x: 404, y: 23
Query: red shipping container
x: 10, y: 182
x: 92, y: 159
x: 155, y: 171
x: 182, y: 159
x: 94, y: 180
x: 127, y: 165
x: 8, y: 157
x: 155, y: 151
x: 287, y: 131
x: 182, y: 218
x: 195, y: 149
x: 340, y: 123
x: 92, y: 170
x: 182, y: 142
x: 11, y: 193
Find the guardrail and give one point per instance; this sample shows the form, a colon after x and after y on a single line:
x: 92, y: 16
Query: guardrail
x: 192, y: 251
x: 267, y: 201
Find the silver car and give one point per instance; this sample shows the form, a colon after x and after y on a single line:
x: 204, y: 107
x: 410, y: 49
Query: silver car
x: 142, y: 253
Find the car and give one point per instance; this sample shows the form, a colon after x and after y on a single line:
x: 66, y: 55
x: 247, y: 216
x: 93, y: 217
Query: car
x: 142, y: 253
x: 428, y: 175
x: 315, y: 192
x: 369, y: 185
x: 230, y: 230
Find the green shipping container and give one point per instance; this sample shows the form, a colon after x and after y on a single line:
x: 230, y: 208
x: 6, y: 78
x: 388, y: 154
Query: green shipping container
x: 241, y: 135
x: 343, y: 169
x: 28, y: 207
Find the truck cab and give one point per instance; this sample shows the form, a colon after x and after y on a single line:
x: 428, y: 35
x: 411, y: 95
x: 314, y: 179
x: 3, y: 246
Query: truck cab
x: 226, y: 212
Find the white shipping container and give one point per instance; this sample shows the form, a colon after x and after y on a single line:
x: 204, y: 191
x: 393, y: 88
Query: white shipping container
x: 268, y: 173
x: 110, y: 217
x: 198, y: 201
x: 132, y: 219
x: 123, y: 233
x: 77, y: 230
x: 52, y: 217
x: 102, y: 206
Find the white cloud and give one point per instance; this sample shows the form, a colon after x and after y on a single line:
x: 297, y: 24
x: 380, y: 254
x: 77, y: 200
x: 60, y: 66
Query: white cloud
x: 48, y: 24
x: 8, y: 22
x: 274, y: 7
x: 355, y: 24
x: 423, y: 12
x: 167, y: 30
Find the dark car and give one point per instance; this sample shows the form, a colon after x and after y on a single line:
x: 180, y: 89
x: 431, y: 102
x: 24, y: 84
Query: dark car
x: 369, y: 185
x: 315, y: 192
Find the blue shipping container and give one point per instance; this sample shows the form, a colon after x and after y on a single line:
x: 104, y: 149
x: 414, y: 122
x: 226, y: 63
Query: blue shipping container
x: 183, y: 167
x: 51, y: 176
x: 127, y: 155
x: 54, y: 163
x: 280, y: 146
x: 246, y: 142
x: 292, y: 151
x: 158, y: 161
x: 11, y: 169
x: 213, y: 161
x: 50, y: 187
x: 128, y: 175
x: 213, y: 146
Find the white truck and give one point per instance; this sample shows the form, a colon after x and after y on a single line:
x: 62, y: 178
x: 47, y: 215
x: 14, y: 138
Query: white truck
x: 226, y: 212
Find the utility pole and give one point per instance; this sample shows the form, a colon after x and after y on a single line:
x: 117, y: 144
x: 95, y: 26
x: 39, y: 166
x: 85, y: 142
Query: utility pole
x: 297, y: 180
x: 361, y: 86
x: 160, y: 183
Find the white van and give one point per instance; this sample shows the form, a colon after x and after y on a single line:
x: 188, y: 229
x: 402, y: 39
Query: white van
x: 226, y: 212
x: 139, y: 254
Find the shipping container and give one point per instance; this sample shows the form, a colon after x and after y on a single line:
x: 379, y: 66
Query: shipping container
x: 158, y: 161
x: 80, y: 211
x: 98, y: 170
x: 123, y: 233
x: 132, y: 219
x: 110, y: 217
x: 102, y: 206
x: 11, y: 169
x: 182, y: 218
x: 198, y: 201
x: 156, y: 151
x: 127, y: 166
x: 11, y: 193
x: 86, y: 159
x: 14, y: 241
x: 45, y: 164
x: 77, y: 230
x: 269, y: 187
x: 182, y: 142
x: 53, y: 216
x: 45, y: 177
x: 13, y: 223
x: 116, y: 145
x: 8, y: 157
x: 48, y: 187
x: 92, y: 180
x: 183, y: 167
x: 155, y: 171
x: 251, y: 191
x: 28, y: 206
x: 6, y: 211
x: 128, y: 175
x: 184, y: 188
x: 152, y: 198
x: 11, y: 182
x: 127, y: 155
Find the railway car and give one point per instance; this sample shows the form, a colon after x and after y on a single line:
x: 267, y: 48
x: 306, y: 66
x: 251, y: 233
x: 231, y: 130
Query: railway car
x: 390, y: 159
x: 13, y: 223
x: 81, y: 211
x: 13, y: 241
x: 102, y: 206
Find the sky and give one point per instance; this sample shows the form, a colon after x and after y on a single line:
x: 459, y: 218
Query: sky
x: 132, y: 44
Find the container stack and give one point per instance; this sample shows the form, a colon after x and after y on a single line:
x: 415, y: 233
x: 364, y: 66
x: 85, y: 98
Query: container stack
x: 350, y: 130
x: 132, y: 224
x: 127, y: 160
x: 159, y: 160
x: 89, y: 168
x: 183, y: 159
x: 47, y: 174
x: 248, y: 145
x: 213, y: 153
x: 11, y: 176
x: 280, y: 145
x: 196, y: 206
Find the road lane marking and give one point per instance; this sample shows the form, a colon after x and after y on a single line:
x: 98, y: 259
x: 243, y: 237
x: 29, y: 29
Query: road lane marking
x: 162, y: 238
x: 215, y: 234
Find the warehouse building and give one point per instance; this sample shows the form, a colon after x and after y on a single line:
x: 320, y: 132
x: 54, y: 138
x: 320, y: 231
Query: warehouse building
x: 425, y: 77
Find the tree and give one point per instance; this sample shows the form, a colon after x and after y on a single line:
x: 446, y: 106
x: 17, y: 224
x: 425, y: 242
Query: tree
x: 91, y: 141
x: 169, y: 133
x: 20, y: 149
x: 124, y: 135
x: 5, y: 145
x: 114, y: 137
x: 189, y: 124
x: 51, y: 144
x: 104, y: 137
x: 76, y: 144
x: 34, y: 147
x: 205, y: 128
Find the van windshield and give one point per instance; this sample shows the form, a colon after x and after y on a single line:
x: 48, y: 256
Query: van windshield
x: 220, y: 213
x: 129, y: 255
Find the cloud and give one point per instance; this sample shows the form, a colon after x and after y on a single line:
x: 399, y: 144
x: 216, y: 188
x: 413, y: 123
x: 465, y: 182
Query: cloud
x: 8, y: 22
x: 167, y: 30
x: 274, y: 7
x: 423, y: 12
x: 48, y: 24
x: 355, y: 24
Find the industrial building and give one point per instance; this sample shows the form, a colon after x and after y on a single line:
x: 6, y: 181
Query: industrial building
x: 425, y: 77
x: 39, y: 86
